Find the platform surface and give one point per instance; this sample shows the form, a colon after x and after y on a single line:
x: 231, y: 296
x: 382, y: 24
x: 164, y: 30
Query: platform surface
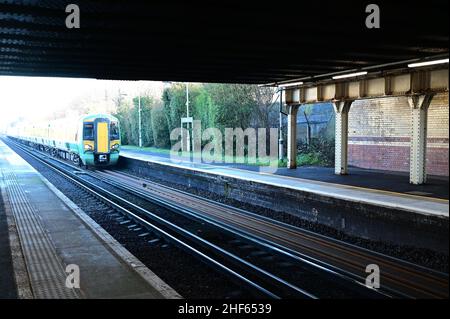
x: 8, y: 288
x: 322, y: 181
x: 53, y: 236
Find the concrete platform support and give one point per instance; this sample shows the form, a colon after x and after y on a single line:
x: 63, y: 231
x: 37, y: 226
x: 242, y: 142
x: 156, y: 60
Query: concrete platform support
x: 341, y: 108
x: 292, y: 137
x: 417, y: 163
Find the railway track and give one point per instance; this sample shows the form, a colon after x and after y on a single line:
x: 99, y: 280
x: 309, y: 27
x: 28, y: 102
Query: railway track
x: 320, y: 259
x: 231, y: 254
x: 399, y: 277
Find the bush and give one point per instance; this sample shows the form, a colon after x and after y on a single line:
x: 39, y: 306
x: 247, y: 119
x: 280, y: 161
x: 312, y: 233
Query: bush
x: 312, y: 158
x: 320, y: 152
x: 160, y: 128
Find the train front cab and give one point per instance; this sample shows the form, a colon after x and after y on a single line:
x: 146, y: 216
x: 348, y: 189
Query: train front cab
x: 101, y: 142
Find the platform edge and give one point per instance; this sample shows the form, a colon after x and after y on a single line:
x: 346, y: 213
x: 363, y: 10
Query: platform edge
x: 21, y: 276
x: 122, y: 253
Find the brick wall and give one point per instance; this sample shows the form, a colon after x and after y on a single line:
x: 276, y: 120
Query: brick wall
x: 379, y: 134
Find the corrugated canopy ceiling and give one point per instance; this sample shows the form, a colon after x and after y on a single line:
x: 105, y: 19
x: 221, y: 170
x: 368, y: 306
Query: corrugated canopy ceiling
x: 214, y: 41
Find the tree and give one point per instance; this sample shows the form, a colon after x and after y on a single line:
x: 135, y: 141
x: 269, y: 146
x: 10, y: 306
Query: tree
x: 161, y: 135
x: 215, y: 105
x: 123, y: 115
x: 203, y: 108
x: 233, y: 104
x: 147, y: 103
x: 265, y: 114
x: 174, y: 104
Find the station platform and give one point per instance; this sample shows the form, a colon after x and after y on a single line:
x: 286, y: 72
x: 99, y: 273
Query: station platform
x: 42, y: 232
x: 383, y: 189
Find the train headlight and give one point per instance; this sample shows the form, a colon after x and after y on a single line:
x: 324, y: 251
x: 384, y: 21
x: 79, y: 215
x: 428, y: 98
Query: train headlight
x: 87, y: 147
x: 115, y: 147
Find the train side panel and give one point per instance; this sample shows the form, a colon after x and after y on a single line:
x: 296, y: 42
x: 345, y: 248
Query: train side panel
x: 94, y: 140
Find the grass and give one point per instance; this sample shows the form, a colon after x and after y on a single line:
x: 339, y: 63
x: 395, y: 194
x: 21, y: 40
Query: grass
x: 148, y: 149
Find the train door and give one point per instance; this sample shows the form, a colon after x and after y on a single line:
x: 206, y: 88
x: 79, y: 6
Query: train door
x: 102, y: 139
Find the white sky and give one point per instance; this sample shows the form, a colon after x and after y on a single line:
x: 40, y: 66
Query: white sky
x: 34, y: 97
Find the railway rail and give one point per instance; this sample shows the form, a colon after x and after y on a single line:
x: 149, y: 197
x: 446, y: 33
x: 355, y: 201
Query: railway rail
x: 400, y: 278
x: 301, y: 258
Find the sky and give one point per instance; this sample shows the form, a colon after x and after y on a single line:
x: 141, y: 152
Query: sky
x: 37, y: 97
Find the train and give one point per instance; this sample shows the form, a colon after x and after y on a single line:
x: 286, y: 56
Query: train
x: 88, y: 141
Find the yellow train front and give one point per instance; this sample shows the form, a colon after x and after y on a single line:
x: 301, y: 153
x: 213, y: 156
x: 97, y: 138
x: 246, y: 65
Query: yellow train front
x: 98, y: 140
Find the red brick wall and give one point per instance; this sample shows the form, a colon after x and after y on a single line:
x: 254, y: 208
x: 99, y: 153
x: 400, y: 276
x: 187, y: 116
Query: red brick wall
x: 437, y: 161
x: 379, y: 134
x: 384, y: 157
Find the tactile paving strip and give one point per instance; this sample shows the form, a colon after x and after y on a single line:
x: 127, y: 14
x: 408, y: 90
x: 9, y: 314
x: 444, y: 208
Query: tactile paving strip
x: 45, y: 269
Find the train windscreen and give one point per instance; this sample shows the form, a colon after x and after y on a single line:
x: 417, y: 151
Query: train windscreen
x: 88, y: 131
x: 114, y: 131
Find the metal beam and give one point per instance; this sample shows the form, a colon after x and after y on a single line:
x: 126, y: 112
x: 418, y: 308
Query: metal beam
x: 418, y: 148
x: 341, y: 109
x: 404, y: 83
x: 292, y: 137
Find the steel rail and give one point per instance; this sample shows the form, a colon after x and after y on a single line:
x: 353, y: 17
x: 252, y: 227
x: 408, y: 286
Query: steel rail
x: 328, y: 270
x: 274, y: 243
x: 253, y: 269
x: 432, y: 277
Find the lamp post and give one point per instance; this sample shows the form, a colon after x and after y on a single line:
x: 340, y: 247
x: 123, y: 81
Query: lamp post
x: 280, y: 138
x: 187, y: 99
x: 139, y: 124
x: 188, y: 133
x: 120, y: 97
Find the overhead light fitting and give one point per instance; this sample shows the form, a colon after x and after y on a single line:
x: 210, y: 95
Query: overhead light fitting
x: 351, y: 75
x: 290, y: 84
x: 427, y: 63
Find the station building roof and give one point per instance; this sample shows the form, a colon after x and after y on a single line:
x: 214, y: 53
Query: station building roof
x: 215, y: 41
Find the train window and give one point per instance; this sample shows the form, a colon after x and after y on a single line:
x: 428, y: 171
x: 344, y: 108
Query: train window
x: 88, y: 131
x: 114, y: 131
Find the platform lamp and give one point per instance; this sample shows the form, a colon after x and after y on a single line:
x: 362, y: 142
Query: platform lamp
x: 139, y: 115
x: 188, y: 140
x: 120, y: 97
x: 280, y: 137
x: 139, y: 120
